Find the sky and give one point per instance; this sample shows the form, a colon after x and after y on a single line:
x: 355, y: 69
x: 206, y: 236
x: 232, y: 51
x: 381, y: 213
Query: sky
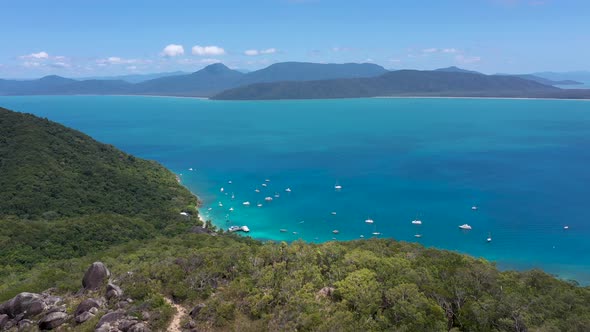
x: 76, y: 38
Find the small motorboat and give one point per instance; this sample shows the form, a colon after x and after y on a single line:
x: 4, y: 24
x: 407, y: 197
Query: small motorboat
x: 465, y: 226
x: 259, y: 204
x: 267, y: 180
x: 489, y: 239
x: 566, y: 227
x: 288, y: 190
x: 474, y: 208
x: 369, y: 221
x: 221, y: 189
x: 337, y: 187
x: 376, y: 233
x: 220, y: 204
x: 264, y: 184
x: 231, y: 208
x: 277, y: 195
x: 229, y: 182
x: 418, y: 235
x: 282, y: 230
x: 417, y: 222
x: 335, y: 231
x: 246, y: 203
x: 333, y: 213
x: 190, y: 169
x: 268, y: 199
x: 362, y: 236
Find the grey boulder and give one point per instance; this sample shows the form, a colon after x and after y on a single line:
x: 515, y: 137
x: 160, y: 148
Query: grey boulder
x: 25, y: 304
x: 113, y: 291
x: 52, y: 320
x: 95, y: 276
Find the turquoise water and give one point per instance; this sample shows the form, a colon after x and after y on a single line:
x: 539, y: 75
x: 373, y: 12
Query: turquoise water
x: 524, y: 163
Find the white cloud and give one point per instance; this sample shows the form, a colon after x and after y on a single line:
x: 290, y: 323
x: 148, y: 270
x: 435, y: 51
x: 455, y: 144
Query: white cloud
x: 60, y: 65
x: 430, y: 50
x: 467, y: 59
x: 131, y: 68
x: 40, y: 56
x: 271, y: 50
x: 115, y: 60
x: 173, y: 50
x: 450, y: 50
x: 31, y: 64
x: 207, y: 50
x: 206, y: 61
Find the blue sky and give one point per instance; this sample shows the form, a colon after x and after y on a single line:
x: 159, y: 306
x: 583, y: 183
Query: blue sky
x: 89, y: 38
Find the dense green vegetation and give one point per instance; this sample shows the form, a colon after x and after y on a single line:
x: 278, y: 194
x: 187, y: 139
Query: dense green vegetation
x: 241, y: 284
x: 247, y: 285
x: 65, y: 195
x: 48, y: 171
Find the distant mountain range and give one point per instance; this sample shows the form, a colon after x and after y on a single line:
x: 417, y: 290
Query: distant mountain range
x: 301, y: 80
x: 133, y: 78
x: 398, y: 83
x: 203, y: 83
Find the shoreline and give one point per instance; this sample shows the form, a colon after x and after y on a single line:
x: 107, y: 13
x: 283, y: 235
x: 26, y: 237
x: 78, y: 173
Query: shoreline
x: 304, y: 99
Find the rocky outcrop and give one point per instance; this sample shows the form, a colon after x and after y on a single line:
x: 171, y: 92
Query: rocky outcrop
x: 87, y: 309
x: 25, y: 304
x: 3, y: 320
x: 113, y: 291
x: 52, y: 320
x: 326, y: 292
x: 86, y: 305
x: 95, y: 276
x: 120, y: 321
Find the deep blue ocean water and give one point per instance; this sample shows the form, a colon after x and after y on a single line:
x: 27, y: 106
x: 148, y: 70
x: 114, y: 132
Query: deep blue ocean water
x: 524, y: 163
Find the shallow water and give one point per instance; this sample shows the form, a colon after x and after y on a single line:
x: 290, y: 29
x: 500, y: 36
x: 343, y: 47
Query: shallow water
x: 524, y: 163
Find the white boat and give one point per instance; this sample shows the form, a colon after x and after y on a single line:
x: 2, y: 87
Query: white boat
x: 333, y: 213
x: 221, y: 189
x: 184, y: 214
x: 369, y: 221
x: 257, y: 190
x: 282, y: 230
x: 474, y: 208
x: 417, y: 222
x: 376, y: 233
x: 220, y: 204
x: 288, y: 190
x: 335, y: 231
x: 337, y: 187
x: 259, y: 204
x: 362, y: 236
x: 264, y: 184
x: 268, y: 199
x: 489, y: 239
x: 295, y: 233
x: 267, y: 180
x: 233, y: 196
x: 231, y: 208
x: 277, y: 195
x: 190, y: 169
x: 229, y: 182
x: 246, y: 203
x: 418, y: 235
x: 465, y: 226
x: 209, y: 209
x: 566, y: 227
x: 245, y: 229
